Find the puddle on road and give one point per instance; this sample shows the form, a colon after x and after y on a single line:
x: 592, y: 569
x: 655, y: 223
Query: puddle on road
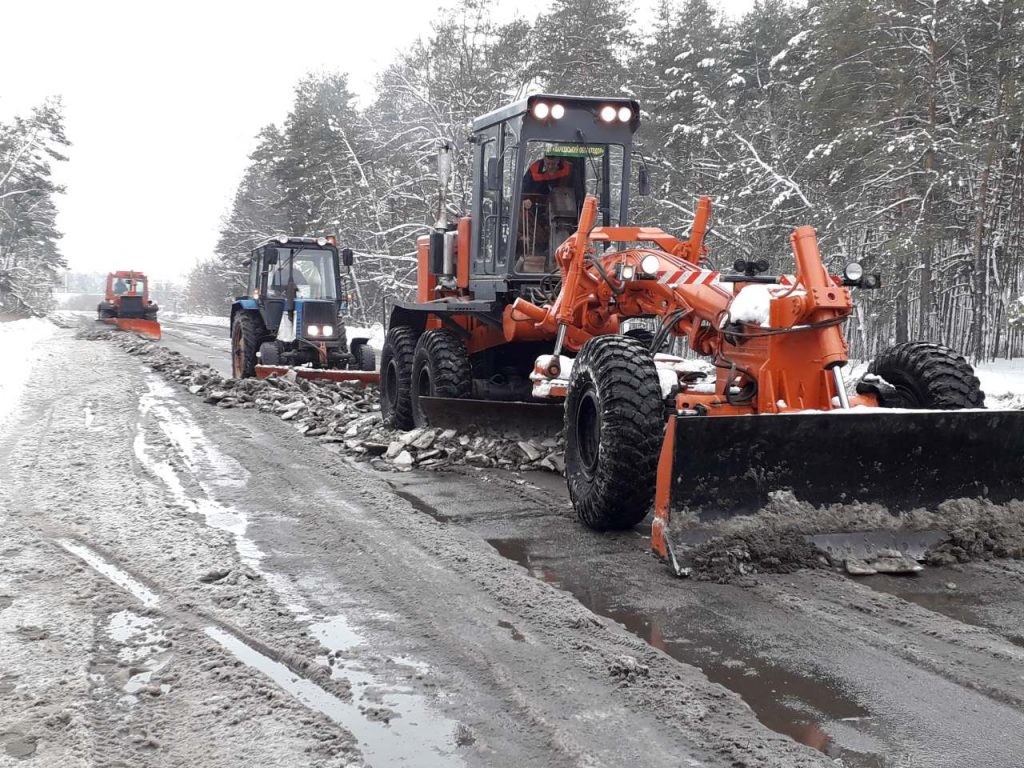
x: 415, y: 738
x: 805, y: 708
x: 929, y: 591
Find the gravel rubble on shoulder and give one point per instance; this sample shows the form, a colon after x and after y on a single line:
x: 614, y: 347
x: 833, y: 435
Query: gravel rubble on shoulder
x: 344, y: 414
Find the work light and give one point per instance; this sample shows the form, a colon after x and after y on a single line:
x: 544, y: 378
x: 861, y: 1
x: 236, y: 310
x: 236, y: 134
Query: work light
x: 608, y: 113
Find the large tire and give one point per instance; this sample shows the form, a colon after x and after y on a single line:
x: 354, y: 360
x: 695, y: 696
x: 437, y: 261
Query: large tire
x: 440, y: 368
x: 396, y: 377
x: 614, y: 422
x: 246, y: 334
x: 362, y: 356
x: 927, y: 375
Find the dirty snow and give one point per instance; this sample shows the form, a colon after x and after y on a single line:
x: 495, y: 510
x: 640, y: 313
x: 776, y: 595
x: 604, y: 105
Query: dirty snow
x: 21, y: 341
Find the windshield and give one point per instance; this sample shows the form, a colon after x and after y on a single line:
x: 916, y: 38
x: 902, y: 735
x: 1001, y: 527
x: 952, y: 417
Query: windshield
x: 312, y: 269
x: 559, y: 176
x: 123, y: 285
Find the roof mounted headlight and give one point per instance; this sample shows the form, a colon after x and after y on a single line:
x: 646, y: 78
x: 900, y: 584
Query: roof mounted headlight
x: 557, y: 111
x: 541, y: 110
x: 625, y: 114
x: 607, y: 113
x: 853, y: 272
x: 282, y: 239
x: 321, y: 241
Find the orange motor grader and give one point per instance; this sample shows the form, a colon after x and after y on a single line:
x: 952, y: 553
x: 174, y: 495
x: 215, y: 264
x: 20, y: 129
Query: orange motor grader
x: 522, y: 304
x: 127, y: 305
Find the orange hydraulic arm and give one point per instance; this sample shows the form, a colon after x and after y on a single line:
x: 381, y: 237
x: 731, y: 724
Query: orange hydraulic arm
x: 785, y: 362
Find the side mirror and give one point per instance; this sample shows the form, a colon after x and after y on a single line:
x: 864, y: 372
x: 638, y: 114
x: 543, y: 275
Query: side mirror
x: 493, y: 175
x: 643, y: 181
x: 347, y: 257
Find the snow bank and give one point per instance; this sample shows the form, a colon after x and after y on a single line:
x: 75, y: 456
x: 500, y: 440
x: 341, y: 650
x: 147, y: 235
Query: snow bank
x: 219, y: 321
x: 1002, y: 382
x: 375, y: 333
x: 20, y: 344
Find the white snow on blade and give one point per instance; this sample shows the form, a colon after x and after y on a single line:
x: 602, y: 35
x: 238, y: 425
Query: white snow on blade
x: 751, y: 305
x: 99, y: 564
x: 21, y: 342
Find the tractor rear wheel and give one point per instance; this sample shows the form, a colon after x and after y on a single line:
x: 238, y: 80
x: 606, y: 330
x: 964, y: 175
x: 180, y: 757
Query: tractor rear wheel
x: 614, y: 421
x: 396, y: 377
x: 362, y: 356
x: 440, y: 368
x: 246, y: 332
x: 927, y: 375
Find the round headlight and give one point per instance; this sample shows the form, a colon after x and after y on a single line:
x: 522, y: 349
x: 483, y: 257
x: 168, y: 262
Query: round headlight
x: 625, y: 114
x: 328, y: 330
x: 608, y: 113
x: 321, y: 241
x: 541, y: 110
x: 282, y: 239
x: 649, y: 264
x: 853, y: 272
x: 557, y: 111
x: 312, y: 330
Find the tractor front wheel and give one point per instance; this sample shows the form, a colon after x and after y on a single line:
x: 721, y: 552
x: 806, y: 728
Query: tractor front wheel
x: 440, y: 368
x: 245, y: 341
x: 926, y: 375
x: 396, y: 377
x: 614, y: 422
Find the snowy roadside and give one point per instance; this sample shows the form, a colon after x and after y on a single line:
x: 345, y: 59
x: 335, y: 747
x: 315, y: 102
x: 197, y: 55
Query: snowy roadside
x: 1003, y: 383
x: 20, y: 345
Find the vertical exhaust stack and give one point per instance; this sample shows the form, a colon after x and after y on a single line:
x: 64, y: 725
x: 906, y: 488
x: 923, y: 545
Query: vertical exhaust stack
x: 442, y: 239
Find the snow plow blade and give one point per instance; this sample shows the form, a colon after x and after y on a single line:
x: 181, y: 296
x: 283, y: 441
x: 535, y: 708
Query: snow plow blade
x: 318, y: 374
x: 147, y: 328
x: 497, y: 417
x: 903, y: 460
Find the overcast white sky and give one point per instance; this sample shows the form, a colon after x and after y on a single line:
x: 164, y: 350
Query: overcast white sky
x: 162, y: 101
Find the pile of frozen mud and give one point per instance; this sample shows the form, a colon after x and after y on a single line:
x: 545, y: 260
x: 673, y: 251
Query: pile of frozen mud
x: 778, y: 538
x: 344, y: 414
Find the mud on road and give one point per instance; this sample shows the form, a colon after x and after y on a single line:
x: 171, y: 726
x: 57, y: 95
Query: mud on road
x: 277, y: 587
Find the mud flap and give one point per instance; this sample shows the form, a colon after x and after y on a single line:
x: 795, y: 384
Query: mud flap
x: 147, y: 328
x: 903, y: 460
x: 499, y: 418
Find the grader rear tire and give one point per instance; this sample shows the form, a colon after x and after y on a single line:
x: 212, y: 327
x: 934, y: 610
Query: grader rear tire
x: 614, y: 422
x: 927, y: 375
x: 440, y: 368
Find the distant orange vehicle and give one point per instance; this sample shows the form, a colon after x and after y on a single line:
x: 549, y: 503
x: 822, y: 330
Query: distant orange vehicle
x: 127, y: 304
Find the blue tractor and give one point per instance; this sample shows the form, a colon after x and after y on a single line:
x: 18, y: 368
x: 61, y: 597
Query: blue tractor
x: 292, y: 313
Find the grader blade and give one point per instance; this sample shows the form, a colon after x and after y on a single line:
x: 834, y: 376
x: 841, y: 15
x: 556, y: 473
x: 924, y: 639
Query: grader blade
x: 499, y: 418
x: 903, y: 460
x: 149, y: 329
